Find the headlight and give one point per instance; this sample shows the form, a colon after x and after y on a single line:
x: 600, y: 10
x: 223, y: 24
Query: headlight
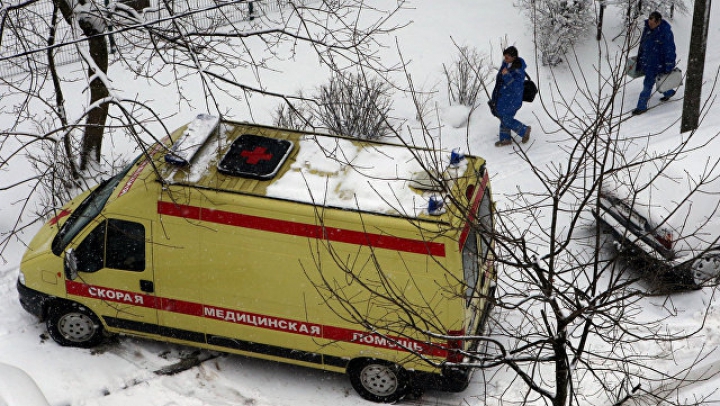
x: 21, y: 278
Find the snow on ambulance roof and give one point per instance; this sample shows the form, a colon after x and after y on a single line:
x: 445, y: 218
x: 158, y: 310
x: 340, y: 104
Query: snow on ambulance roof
x: 321, y: 169
x: 376, y: 178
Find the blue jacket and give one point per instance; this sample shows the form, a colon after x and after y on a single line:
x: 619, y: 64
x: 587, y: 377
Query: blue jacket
x: 508, y: 92
x: 657, y: 50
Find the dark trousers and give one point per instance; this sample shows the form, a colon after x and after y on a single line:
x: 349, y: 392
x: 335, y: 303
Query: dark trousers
x: 510, y: 123
x: 648, y: 84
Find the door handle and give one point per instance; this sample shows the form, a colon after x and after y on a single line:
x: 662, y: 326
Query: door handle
x: 147, y: 286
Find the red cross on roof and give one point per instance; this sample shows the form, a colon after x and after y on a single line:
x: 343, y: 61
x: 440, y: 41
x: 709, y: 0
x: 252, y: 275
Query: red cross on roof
x: 256, y: 155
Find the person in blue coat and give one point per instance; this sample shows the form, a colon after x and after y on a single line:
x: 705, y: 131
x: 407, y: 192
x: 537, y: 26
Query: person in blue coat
x: 507, y: 97
x: 656, y: 56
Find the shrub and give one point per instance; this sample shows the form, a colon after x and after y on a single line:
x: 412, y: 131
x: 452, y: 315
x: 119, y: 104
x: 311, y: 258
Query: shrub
x: 351, y: 105
x: 465, y: 77
x: 355, y: 105
x: 296, y: 116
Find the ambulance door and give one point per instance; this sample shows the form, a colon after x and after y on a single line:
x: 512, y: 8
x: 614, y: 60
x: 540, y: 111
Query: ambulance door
x: 180, y: 264
x: 115, y: 274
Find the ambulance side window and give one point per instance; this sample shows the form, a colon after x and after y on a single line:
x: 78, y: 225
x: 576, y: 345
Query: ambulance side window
x: 487, y: 230
x: 125, y: 247
x: 486, y: 224
x: 90, y: 252
x: 115, y: 244
x: 470, y: 266
x: 477, y: 248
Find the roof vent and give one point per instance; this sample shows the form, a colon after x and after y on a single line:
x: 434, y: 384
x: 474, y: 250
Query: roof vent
x: 256, y: 157
x: 192, y: 139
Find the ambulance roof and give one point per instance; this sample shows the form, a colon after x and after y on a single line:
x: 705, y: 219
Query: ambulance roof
x: 310, y: 168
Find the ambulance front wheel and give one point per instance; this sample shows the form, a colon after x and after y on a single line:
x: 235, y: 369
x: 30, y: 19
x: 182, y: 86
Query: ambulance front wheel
x: 74, y: 325
x: 378, y: 380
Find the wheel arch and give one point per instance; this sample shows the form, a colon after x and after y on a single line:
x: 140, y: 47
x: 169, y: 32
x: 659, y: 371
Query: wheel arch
x: 58, y: 302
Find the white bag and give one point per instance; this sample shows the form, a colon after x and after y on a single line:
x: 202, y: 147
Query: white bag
x: 669, y: 81
x: 631, y: 68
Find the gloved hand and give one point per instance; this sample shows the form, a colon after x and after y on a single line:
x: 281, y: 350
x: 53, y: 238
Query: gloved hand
x: 493, y: 107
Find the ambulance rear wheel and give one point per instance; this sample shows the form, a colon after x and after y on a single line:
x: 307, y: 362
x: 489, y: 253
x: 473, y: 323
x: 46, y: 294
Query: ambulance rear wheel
x: 378, y: 380
x: 74, y: 325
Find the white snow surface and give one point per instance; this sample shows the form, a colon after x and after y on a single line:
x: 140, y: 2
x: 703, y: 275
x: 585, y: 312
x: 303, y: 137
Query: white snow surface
x: 121, y: 372
x: 18, y: 388
x: 335, y: 172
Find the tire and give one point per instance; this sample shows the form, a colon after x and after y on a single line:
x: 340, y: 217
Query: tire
x: 379, y: 381
x: 74, y: 325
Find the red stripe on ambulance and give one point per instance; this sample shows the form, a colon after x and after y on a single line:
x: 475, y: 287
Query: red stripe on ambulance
x: 381, y: 341
x: 254, y: 319
x: 111, y: 295
x: 259, y: 320
x: 302, y: 229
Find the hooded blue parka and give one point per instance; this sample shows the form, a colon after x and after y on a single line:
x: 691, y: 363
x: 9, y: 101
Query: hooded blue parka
x: 508, y: 92
x: 657, y: 50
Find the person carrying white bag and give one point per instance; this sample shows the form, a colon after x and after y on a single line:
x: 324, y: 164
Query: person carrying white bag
x: 656, y: 60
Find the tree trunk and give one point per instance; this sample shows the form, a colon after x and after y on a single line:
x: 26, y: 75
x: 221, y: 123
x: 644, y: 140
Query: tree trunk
x: 95, y: 124
x: 96, y: 117
x: 695, y: 66
x: 562, y: 370
x: 601, y: 15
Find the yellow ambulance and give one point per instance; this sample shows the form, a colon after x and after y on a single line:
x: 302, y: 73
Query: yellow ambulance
x: 367, y: 258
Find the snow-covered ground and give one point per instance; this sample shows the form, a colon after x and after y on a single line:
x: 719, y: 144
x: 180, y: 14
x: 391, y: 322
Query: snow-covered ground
x: 122, y: 372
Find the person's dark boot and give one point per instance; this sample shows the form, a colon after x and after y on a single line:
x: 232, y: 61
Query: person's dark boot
x: 666, y: 98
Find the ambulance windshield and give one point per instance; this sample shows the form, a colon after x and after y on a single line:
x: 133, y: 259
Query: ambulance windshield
x: 86, y: 211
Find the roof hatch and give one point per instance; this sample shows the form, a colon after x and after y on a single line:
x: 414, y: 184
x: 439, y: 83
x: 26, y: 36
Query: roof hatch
x: 197, y: 132
x: 256, y: 157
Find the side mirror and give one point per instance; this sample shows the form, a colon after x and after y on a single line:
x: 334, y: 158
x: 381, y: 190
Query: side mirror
x: 71, y: 266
